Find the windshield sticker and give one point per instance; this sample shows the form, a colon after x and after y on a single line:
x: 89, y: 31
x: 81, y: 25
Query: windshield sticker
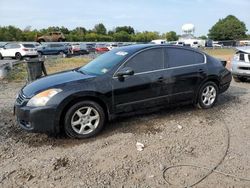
x: 121, y: 53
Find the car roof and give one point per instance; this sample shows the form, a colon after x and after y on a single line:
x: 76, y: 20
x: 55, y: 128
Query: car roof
x: 138, y: 47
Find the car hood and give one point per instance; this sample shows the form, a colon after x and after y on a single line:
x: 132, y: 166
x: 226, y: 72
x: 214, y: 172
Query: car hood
x: 244, y: 49
x: 58, y: 80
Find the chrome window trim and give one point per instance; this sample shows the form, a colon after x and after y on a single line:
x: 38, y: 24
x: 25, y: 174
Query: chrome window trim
x: 167, y: 68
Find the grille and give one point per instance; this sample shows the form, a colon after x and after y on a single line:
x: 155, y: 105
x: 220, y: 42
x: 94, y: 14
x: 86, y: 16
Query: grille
x: 20, y: 99
x: 244, y: 68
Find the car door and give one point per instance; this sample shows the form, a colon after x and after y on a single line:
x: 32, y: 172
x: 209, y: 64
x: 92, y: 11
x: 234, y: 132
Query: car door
x: 143, y: 89
x: 185, y: 70
x: 14, y: 49
x: 6, y: 52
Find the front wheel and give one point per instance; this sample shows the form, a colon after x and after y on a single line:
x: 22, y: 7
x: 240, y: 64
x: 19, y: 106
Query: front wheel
x: 84, y: 119
x: 1, y: 57
x: 208, y: 95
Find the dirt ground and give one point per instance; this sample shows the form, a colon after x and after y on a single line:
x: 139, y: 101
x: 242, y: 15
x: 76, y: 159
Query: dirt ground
x: 183, y: 135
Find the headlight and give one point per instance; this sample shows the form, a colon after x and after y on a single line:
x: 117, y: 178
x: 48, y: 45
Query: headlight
x: 42, y: 98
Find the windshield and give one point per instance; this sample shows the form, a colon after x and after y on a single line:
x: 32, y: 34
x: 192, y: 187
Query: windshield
x: 104, y: 63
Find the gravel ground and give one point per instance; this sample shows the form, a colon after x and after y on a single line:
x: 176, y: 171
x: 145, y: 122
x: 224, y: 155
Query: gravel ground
x: 183, y: 135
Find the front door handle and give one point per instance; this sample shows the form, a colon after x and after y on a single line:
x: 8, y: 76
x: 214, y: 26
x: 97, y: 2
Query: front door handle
x: 201, y: 71
x: 160, y: 79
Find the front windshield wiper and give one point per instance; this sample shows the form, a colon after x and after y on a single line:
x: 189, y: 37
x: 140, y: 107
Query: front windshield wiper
x: 79, y: 70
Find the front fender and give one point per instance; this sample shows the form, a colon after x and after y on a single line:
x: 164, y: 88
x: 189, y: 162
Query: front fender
x: 68, y: 99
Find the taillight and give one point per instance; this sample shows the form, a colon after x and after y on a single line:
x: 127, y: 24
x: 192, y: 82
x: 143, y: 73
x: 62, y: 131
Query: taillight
x: 25, y: 49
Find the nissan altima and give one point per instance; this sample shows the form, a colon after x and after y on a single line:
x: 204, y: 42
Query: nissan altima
x: 127, y: 79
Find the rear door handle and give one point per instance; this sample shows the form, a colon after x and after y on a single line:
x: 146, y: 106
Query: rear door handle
x: 201, y: 71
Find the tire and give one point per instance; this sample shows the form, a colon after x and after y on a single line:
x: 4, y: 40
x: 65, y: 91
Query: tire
x: 77, y: 122
x: 239, y: 79
x: 63, y: 54
x: 18, y: 56
x: 1, y: 57
x: 40, y: 54
x: 208, y: 95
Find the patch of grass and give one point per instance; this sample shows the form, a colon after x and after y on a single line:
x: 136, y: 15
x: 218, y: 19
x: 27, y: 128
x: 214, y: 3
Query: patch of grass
x: 19, y: 72
x: 62, y: 64
x: 222, y: 53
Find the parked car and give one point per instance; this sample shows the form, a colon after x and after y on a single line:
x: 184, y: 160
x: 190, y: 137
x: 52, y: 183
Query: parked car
x: 90, y: 47
x: 54, y: 49
x: 101, y: 48
x: 159, y: 41
x: 123, y: 80
x: 241, y: 64
x: 78, y: 48
x: 18, y: 50
x: 217, y: 44
x: 112, y: 46
x: 51, y: 37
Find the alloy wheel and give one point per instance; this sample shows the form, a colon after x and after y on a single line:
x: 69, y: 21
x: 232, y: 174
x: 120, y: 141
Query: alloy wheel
x: 85, y: 120
x: 208, y: 95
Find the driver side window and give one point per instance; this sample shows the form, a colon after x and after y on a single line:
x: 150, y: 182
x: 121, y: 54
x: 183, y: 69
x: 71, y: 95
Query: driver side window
x: 148, y: 60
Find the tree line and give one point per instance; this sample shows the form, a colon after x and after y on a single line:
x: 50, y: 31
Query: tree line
x: 98, y: 33
x: 229, y: 28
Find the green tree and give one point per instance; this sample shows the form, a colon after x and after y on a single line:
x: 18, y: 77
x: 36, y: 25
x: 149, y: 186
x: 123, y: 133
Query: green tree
x: 100, y: 29
x: 145, y: 36
x: 171, y: 36
x: 130, y: 30
x: 121, y: 36
x: 229, y: 28
x: 203, y: 37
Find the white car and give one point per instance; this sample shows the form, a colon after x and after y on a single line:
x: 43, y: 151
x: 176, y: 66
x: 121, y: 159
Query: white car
x: 112, y: 46
x: 241, y: 64
x: 18, y: 50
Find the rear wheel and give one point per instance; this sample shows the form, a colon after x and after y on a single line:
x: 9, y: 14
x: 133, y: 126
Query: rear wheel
x: 40, y: 54
x: 239, y: 79
x: 84, y: 119
x: 18, y: 56
x: 208, y: 95
x: 63, y: 54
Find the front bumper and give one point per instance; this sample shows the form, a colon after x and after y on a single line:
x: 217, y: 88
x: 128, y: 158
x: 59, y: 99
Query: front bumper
x: 240, y: 68
x: 36, y: 119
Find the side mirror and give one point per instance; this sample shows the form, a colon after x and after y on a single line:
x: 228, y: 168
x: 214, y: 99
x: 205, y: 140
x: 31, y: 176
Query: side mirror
x: 126, y: 71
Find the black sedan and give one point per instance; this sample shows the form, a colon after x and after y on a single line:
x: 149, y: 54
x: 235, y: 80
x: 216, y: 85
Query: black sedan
x: 124, y: 80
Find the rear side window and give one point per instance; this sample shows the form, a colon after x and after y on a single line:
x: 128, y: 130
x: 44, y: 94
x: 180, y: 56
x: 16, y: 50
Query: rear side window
x: 176, y: 57
x: 29, y: 45
x: 148, y: 60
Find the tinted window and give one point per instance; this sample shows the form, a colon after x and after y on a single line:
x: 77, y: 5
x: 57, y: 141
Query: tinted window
x: 180, y: 57
x: 148, y: 60
x: 56, y: 45
x: 7, y: 46
x: 29, y: 45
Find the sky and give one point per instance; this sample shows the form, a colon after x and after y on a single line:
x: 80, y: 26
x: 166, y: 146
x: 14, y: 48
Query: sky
x: 151, y: 15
